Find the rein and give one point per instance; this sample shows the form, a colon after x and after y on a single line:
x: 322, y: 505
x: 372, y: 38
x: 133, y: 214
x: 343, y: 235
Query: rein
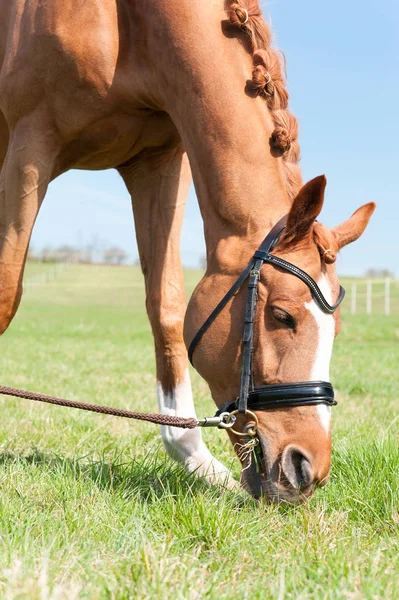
x: 223, y: 420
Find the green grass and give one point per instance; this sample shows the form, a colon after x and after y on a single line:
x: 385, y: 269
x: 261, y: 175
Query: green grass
x: 90, y: 506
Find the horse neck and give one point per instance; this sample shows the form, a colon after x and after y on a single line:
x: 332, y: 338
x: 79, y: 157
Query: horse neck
x: 239, y: 184
x: 241, y: 196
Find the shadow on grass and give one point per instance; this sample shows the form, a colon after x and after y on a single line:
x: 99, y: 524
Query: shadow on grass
x: 363, y: 482
x: 150, y: 479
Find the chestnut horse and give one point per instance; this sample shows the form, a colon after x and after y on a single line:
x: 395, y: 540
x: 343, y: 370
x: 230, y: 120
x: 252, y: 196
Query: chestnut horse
x: 158, y: 90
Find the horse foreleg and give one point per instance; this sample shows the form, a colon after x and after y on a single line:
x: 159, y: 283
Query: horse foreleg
x: 159, y: 188
x: 24, y: 178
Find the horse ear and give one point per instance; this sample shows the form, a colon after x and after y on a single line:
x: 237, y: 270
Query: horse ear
x: 352, y: 229
x: 305, y: 208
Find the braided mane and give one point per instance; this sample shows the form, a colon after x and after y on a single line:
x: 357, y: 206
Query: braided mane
x: 268, y: 81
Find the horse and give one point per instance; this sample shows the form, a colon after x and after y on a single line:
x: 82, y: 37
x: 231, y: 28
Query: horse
x: 163, y: 92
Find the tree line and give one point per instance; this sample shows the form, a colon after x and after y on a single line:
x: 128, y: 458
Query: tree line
x: 114, y: 255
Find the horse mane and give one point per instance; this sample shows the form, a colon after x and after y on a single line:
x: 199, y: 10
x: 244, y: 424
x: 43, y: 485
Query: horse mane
x: 268, y: 81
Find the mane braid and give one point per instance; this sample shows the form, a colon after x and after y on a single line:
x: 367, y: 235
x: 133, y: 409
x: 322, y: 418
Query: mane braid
x: 268, y: 81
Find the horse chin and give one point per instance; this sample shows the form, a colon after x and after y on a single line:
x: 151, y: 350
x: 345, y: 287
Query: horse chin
x: 264, y: 482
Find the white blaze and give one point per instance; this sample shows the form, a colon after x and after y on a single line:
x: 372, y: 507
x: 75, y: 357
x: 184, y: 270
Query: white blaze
x: 326, y: 332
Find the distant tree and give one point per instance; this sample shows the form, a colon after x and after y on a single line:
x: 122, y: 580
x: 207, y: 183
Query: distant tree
x: 115, y: 256
x: 46, y: 254
x: 64, y: 254
x: 378, y: 273
x: 387, y: 273
x: 67, y: 254
x: 32, y: 254
x: 86, y: 255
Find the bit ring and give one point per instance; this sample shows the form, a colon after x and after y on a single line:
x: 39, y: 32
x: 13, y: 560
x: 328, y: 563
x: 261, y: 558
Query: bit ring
x: 250, y: 432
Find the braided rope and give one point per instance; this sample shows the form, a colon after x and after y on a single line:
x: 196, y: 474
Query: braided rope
x: 171, y: 421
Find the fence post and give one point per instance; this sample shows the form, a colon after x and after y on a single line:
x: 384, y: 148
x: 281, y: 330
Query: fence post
x: 353, y: 299
x: 369, y: 296
x: 387, y: 296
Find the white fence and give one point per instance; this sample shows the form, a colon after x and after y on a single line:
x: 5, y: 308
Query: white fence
x: 372, y: 297
x: 49, y: 273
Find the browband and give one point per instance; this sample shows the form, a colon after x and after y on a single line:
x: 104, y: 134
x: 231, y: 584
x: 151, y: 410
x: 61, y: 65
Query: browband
x: 310, y: 282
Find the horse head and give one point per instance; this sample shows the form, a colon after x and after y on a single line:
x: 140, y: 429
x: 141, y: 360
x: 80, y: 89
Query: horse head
x: 292, y: 342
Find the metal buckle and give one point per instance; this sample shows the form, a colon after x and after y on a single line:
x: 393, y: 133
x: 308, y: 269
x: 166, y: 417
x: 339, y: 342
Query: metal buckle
x: 223, y: 421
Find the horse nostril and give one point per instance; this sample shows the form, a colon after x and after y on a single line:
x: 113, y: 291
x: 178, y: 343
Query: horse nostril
x: 296, y: 468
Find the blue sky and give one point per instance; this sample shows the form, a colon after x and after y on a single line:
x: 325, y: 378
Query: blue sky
x: 343, y: 66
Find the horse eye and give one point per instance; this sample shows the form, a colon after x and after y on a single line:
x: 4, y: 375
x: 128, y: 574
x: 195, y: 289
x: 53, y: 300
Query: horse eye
x: 283, y: 317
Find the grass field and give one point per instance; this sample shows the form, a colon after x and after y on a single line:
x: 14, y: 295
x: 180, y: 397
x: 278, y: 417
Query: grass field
x: 91, y: 507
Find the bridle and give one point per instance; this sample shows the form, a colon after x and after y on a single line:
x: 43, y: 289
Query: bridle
x: 286, y: 395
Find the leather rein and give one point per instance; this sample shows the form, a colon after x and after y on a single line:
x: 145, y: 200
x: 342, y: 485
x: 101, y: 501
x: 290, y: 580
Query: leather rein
x: 286, y: 395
